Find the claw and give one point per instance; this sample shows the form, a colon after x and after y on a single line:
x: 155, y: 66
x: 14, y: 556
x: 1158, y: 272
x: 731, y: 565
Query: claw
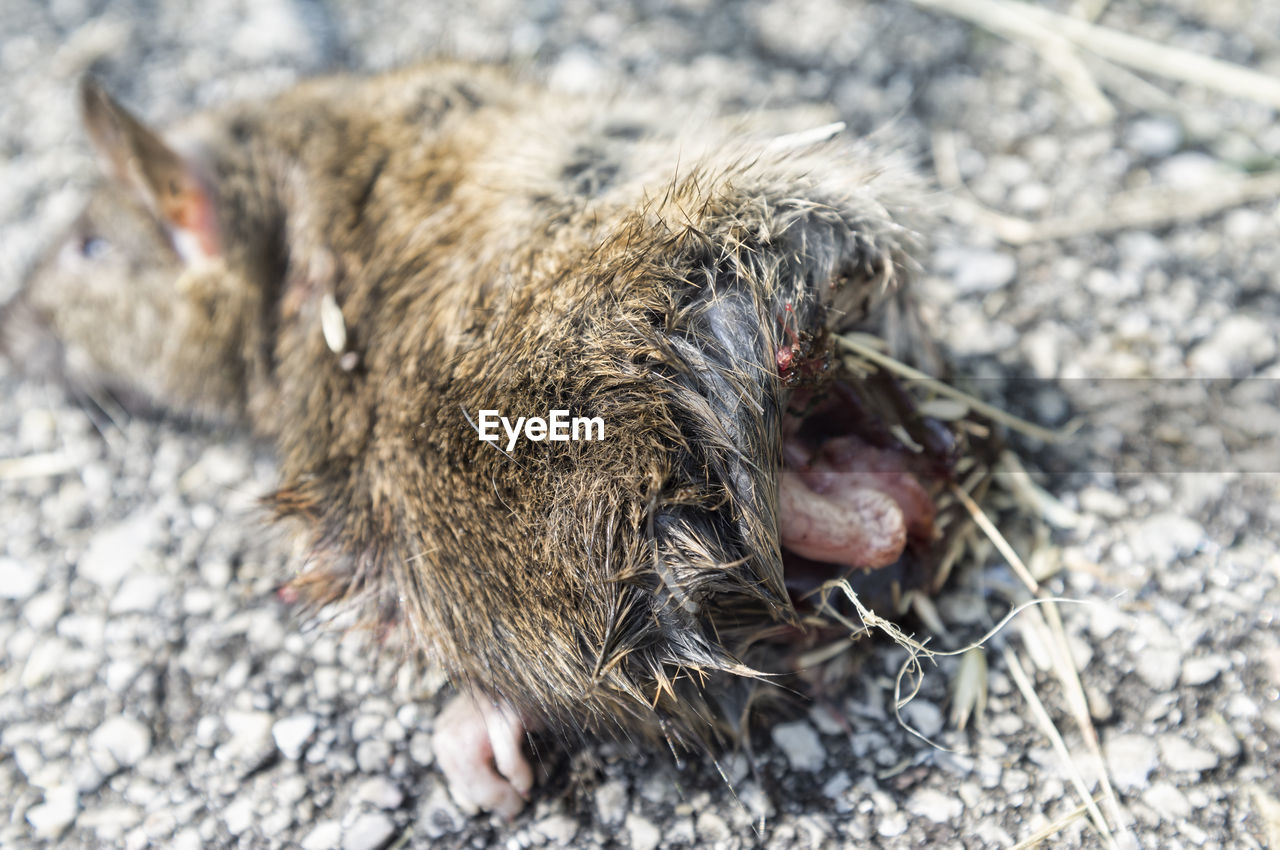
x: 479, y: 746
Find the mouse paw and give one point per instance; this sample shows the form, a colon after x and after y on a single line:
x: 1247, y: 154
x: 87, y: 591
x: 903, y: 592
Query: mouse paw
x: 479, y: 746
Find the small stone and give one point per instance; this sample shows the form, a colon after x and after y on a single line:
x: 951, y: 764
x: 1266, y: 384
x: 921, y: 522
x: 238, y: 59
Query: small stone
x: 188, y: 839
x: 923, y: 716
x: 835, y: 787
x: 1153, y: 137
x: 892, y: 825
x: 1190, y: 170
x: 369, y: 832
x: 323, y: 836
x: 935, y: 805
x: 1167, y: 800
x: 113, y: 552
x: 711, y: 827
x: 1235, y: 347
x: 976, y: 271
x: 373, y: 756
x: 1159, y: 668
x: 1104, y: 503
x: 558, y: 829
x: 1166, y: 536
x: 1179, y: 756
x: 420, y: 749
x: 611, y: 802
x: 292, y: 733
x: 52, y: 817
x: 251, y: 739
x: 365, y: 727
x: 380, y: 792
x: 801, y: 745
x: 120, y: 742
x: 44, y: 610
x: 275, y: 823
x: 1130, y: 760
x: 439, y: 816
x: 45, y: 660
x: 238, y: 816
x: 644, y: 835
x: 1218, y: 735
x: 1201, y: 671
x: 290, y: 790
x: 139, y: 594
x: 17, y: 581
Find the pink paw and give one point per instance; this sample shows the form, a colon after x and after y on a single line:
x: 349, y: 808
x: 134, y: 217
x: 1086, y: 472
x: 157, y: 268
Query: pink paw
x: 479, y: 746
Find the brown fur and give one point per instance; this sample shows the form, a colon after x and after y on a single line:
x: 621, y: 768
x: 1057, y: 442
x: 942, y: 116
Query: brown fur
x: 492, y: 245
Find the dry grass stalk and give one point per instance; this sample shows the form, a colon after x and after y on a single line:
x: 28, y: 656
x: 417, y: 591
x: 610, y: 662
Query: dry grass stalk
x: 1150, y: 207
x: 856, y: 344
x: 1027, y: 23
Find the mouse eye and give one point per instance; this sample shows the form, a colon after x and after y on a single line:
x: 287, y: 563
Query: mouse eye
x: 93, y: 247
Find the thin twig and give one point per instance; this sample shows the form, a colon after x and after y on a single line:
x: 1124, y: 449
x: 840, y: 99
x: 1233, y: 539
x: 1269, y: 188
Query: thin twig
x: 42, y: 465
x: 1023, y: 682
x: 1054, y: 828
x: 1062, y: 661
x: 1154, y: 206
x: 1021, y: 20
x: 1057, y: 51
x: 851, y: 342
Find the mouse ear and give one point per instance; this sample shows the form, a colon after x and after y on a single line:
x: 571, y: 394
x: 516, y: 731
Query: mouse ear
x: 167, y: 182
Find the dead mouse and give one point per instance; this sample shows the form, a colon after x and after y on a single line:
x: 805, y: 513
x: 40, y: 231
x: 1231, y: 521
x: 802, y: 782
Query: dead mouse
x: 552, y: 381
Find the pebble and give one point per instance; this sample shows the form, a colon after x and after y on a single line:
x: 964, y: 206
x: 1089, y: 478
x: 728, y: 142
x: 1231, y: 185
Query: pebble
x: 643, y: 834
x: 120, y: 742
x: 611, y: 802
x: 558, y: 829
x: 1203, y: 670
x: 17, y: 580
x: 1189, y: 170
x: 1235, y: 347
x: 250, y: 740
x: 976, y: 271
x: 923, y: 716
x: 935, y: 805
x: 139, y: 593
x: 420, y: 749
x: 438, y: 815
x: 1182, y: 757
x: 238, y: 816
x: 1130, y: 759
x: 46, y: 659
x: 373, y: 756
x: 325, y: 835
x: 44, y: 610
x: 292, y: 733
x: 52, y: 817
x: 290, y: 790
x: 892, y: 825
x: 1158, y: 667
x: 1167, y: 800
x: 366, y: 726
x: 801, y: 745
x: 113, y: 552
x: 1153, y: 137
x: 369, y: 832
x: 380, y: 792
x: 711, y: 828
x: 1165, y: 537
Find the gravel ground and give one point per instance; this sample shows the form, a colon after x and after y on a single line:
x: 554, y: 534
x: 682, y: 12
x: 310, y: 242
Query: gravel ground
x: 157, y: 693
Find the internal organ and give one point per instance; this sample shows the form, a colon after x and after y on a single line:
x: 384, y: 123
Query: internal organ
x: 846, y: 502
